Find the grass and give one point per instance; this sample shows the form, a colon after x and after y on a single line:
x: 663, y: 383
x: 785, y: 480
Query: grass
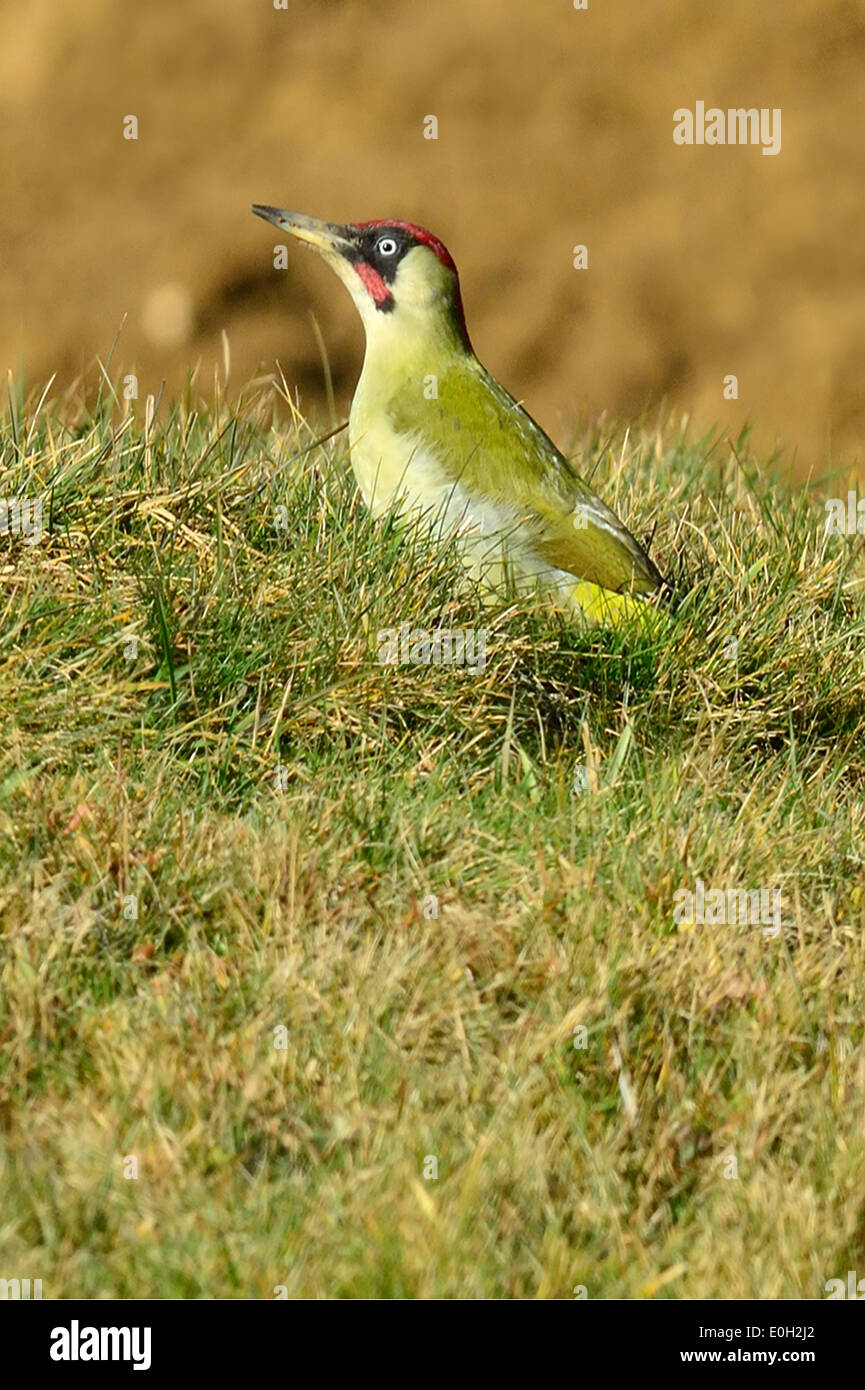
x: 287, y: 931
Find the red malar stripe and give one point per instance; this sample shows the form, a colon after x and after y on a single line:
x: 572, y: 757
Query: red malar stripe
x: 373, y: 281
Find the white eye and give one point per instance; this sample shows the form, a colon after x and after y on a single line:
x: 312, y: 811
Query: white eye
x: 386, y: 246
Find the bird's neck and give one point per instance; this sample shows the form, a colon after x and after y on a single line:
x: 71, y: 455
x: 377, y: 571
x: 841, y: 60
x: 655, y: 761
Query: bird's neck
x: 411, y: 343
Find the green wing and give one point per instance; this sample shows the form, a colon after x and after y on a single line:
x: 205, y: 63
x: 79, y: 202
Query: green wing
x: 495, y: 449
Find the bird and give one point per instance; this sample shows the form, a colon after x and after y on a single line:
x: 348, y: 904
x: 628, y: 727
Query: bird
x: 435, y: 437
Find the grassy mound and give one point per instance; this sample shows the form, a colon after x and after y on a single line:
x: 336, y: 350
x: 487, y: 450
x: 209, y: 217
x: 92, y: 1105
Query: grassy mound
x: 364, y: 979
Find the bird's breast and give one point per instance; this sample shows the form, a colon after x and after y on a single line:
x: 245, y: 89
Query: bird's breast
x: 402, y: 472
x: 399, y: 472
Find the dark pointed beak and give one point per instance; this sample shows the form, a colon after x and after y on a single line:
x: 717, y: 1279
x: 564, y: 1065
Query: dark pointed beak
x: 324, y: 236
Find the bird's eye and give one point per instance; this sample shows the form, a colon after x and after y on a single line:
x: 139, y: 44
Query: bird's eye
x: 386, y: 246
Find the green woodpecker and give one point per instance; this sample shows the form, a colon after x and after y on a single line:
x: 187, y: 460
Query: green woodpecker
x: 433, y: 435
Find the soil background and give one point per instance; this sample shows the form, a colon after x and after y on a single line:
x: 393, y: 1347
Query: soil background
x: 555, y: 129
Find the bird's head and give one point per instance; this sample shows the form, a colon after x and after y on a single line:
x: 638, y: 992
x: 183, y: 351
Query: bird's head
x: 400, y: 276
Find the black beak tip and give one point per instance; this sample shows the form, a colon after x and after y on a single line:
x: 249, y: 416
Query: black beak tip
x: 269, y: 214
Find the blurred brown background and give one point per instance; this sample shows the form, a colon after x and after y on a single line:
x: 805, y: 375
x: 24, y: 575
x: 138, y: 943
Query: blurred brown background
x: 555, y: 128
